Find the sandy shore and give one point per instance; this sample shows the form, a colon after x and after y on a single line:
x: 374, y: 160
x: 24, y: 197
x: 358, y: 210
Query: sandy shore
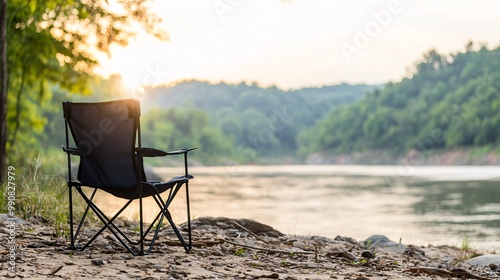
x: 234, y: 249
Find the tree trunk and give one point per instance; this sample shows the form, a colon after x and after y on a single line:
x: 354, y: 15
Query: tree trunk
x: 3, y: 89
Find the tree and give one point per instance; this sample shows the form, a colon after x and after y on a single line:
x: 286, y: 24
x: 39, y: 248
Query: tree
x: 3, y: 88
x: 450, y: 102
x: 56, y: 42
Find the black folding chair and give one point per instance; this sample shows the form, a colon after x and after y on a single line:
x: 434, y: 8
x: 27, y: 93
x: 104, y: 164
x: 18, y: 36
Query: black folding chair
x: 107, y: 136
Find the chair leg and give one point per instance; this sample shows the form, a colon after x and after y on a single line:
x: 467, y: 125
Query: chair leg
x: 188, y: 216
x: 141, y: 226
x: 72, y: 238
x: 176, y: 230
x: 108, y: 223
x: 126, y: 242
x: 82, y: 220
x: 164, y: 208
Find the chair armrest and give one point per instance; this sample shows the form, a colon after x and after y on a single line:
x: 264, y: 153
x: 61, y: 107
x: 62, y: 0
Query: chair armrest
x: 71, y: 151
x: 181, y: 151
x: 150, y: 152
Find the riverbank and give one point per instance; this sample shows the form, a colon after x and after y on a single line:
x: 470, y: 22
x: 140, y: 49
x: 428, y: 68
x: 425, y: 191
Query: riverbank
x: 465, y: 156
x: 239, y: 249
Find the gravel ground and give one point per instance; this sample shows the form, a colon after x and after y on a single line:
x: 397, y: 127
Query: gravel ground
x: 235, y: 249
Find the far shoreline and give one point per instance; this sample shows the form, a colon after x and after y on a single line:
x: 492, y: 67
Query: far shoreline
x: 423, y: 172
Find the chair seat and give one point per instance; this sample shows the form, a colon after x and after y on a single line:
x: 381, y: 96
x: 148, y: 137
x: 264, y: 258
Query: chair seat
x: 148, y: 188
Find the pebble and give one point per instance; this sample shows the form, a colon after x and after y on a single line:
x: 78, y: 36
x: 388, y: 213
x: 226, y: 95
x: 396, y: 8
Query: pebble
x: 159, y: 268
x: 367, y: 254
x: 97, y: 262
x: 312, y: 265
x: 254, y: 263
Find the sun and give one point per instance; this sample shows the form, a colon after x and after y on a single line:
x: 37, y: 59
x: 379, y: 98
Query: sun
x: 130, y: 80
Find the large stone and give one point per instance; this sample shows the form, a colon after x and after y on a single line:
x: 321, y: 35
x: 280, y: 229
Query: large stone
x: 484, y: 260
x: 382, y: 242
x: 254, y: 226
x: 4, y: 219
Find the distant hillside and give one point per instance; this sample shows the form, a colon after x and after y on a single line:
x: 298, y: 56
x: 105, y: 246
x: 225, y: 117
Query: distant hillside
x: 213, y: 98
x: 451, y: 102
x: 259, y: 122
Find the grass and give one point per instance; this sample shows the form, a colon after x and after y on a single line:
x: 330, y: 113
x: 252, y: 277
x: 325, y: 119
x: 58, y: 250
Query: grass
x: 465, y: 251
x: 39, y: 197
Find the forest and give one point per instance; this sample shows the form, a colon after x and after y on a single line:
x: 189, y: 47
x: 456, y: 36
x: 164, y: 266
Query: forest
x: 451, y: 101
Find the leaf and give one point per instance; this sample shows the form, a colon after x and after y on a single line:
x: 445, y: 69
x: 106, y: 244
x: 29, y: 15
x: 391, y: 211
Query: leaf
x: 240, y: 252
x: 33, y: 5
x: 42, y: 90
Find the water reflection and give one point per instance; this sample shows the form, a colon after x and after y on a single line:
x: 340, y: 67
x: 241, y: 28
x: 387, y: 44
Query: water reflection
x: 470, y: 208
x: 422, y: 207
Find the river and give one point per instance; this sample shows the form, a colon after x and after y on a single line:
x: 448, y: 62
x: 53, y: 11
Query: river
x: 415, y: 205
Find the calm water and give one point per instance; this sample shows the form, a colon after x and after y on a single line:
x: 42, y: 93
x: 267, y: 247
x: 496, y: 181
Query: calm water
x: 419, y: 205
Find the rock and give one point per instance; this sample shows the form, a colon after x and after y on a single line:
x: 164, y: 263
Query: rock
x: 257, y: 227
x: 367, y: 254
x: 271, y: 276
x: 254, y: 263
x: 227, y: 223
x: 484, y: 261
x: 4, y: 218
x: 414, y: 251
x: 382, y: 242
x: 97, y: 262
x: 376, y: 239
x: 312, y: 265
x: 345, y: 239
x: 159, y: 268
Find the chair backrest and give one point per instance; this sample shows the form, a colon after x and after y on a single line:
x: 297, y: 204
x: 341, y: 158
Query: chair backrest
x: 105, y: 134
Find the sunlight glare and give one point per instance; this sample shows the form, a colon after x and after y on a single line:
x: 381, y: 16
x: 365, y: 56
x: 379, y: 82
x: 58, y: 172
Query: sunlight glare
x: 292, y: 45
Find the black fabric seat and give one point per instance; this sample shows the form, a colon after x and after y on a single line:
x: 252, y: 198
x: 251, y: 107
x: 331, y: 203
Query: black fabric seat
x: 107, y: 137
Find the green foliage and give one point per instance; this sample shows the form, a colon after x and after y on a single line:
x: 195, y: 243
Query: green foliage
x: 258, y: 124
x: 173, y: 129
x: 56, y: 43
x: 360, y: 262
x: 465, y: 251
x: 450, y: 102
x: 39, y: 197
x: 240, y: 252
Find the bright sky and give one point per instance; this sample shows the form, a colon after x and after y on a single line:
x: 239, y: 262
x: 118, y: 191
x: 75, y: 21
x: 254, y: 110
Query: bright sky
x: 298, y: 43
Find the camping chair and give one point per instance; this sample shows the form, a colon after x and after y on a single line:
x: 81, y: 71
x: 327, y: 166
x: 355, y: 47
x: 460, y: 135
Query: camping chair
x: 107, y: 136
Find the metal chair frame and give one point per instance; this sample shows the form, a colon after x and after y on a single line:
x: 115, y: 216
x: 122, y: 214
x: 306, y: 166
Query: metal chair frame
x: 163, y: 204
